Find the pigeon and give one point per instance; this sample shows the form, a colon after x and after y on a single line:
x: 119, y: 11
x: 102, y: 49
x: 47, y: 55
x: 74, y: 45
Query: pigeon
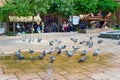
x: 29, y: 41
x: 52, y: 58
x: 41, y: 57
x: 24, y: 39
x: 44, y: 53
x: 87, y: 43
x: 55, y: 40
x: 84, y: 52
x: 51, y: 43
x: 39, y: 40
x: 69, y: 53
x: 31, y: 51
x: 100, y: 41
x: 63, y: 47
x: 50, y: 51
x: 83, y: 59
x: 18, y: 52
x: 58, y: 47
x: 58, y: 41
x: 75, y: 48
x: 74, y: 40
x: 90, y: 44
x: 96, y: 52
x: 58, y: 51
x: 18, y: 55
x: 82, y: 42
x: 32, y: 40
x: 91, y: 38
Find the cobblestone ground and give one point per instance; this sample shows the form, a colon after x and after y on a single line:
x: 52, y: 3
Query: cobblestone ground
x: 99, y: 71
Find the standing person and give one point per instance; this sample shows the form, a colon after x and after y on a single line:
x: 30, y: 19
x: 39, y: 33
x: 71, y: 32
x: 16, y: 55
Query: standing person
x: 18, y: 28
x: 83, y: 23
x: 38, y: 28
x: 106, y: 19
x: 42, y: 27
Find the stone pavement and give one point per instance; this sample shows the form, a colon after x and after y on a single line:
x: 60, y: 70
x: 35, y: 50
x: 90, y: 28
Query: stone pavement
x: 100, y: 72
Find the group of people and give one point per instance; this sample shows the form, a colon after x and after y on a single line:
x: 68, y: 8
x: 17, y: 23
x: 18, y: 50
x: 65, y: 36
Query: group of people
x: 68, y: 27
x: 86, y: 21
x: 42, y: 28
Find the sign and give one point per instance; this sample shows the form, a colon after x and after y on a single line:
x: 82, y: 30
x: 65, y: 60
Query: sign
x: 75, y: 20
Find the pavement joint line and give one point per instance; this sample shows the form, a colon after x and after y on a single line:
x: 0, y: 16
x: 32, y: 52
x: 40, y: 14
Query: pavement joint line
x: 62, y: 75
x: 85, y: 74
x: 11, y: 78
x: 39, y: 75
x: 43, y: 70
x: 16, y: 76
x: 3, y: 72
x: 66, y: 71
x: 109, y: 71
x: 106, y: 68
x: 106, y: 65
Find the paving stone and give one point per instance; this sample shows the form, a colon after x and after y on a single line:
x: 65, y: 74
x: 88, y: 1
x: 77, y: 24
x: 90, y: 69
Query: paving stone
x: 101, y: 71
x: 33, y: 70
x: 8, y: 76
x: 63, y: 72
x: 42, y: 75
x: 36, y: 79
x: 28, y: 76
x: 9, y: 71
x: 77, y: 76
x: 113, y: 74
x: 12, y: 79
x: 103, y: 76
x: 56, y: 76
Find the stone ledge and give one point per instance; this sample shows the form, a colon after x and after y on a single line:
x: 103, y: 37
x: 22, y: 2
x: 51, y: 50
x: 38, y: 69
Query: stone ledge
x: 93, y: 30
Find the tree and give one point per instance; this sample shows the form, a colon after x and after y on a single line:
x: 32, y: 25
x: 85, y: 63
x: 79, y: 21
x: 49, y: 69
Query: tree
x: 60, y: 7
x: 84, y: 6
x: 107, y: 5
x: 39, y: 6
x: 15, y: 8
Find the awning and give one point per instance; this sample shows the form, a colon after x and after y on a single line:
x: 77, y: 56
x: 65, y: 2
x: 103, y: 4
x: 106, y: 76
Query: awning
x: 25, y: 19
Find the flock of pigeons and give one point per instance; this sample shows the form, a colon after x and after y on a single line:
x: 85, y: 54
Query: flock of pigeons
x: 59, y: 49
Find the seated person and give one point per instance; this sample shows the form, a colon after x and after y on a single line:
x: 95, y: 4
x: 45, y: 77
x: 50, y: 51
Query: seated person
x: 105, y: 20
x: 65, y: 26
x: 83, y: 23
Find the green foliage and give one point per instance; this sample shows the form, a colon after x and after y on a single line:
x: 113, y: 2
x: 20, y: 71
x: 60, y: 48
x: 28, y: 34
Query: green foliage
x: 39, y: 6
x: 15, y: 8
x: 84, y: 6
x: 107, y: 5
x: 55, y: 7
x: 60, y: 7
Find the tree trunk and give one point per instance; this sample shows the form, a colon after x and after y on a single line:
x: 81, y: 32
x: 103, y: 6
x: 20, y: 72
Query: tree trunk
x: 7, y: 27
x: 32, y: 24
x: 13, y: 28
